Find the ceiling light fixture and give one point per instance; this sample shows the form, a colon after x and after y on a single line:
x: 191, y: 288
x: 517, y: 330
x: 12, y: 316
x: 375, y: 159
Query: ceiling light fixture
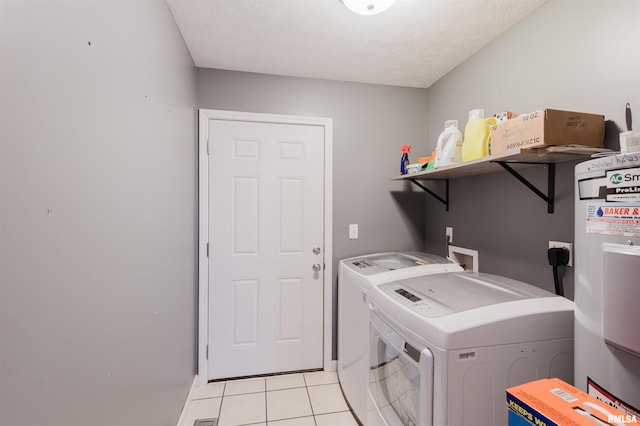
x: 368, y: 7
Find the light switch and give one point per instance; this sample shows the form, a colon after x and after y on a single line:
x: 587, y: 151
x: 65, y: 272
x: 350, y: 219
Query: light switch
x: 353, y: 231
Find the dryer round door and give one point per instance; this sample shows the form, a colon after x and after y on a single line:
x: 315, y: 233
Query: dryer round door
x: 400, y: 377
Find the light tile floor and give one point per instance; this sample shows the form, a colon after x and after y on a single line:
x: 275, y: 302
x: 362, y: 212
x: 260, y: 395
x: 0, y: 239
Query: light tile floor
x: 301, y: 399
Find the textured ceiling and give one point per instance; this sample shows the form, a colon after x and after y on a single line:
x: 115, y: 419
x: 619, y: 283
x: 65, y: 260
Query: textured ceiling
x: 412, y: 44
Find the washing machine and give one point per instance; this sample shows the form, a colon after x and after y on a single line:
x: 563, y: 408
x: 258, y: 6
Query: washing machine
x: 443, y: 348
x: 356, y: 277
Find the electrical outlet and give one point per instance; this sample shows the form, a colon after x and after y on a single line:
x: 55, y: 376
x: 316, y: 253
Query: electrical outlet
x: 449, y: 233
x: 353, y: 231
x: 568, y: 246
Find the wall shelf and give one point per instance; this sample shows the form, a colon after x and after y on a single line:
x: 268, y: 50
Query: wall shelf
x: 511, y: 162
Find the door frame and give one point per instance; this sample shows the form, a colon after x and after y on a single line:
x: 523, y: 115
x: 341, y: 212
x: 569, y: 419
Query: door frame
x: 204, y: 115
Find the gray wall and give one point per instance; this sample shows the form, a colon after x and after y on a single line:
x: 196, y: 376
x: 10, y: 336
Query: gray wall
x: 568, y: 54
x: 98, y: 214
x: 370, y: 124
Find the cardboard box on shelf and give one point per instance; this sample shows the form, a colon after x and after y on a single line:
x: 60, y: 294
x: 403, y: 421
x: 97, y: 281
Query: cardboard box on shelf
x: 552, y: 402
x: 548, y: 127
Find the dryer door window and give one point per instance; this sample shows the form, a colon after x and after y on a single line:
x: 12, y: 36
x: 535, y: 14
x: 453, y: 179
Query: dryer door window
x: 400, y: 377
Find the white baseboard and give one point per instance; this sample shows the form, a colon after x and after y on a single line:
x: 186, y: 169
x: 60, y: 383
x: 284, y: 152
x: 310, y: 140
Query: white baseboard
x: 187, y: 403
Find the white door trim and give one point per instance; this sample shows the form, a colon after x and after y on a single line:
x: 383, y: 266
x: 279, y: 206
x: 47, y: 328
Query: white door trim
x: 203, y: 213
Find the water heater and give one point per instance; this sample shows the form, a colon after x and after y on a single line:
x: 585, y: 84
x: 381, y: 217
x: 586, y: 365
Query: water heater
x: 607, y: 280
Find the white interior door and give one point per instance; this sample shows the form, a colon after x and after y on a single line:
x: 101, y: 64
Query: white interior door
x: 266, y: 254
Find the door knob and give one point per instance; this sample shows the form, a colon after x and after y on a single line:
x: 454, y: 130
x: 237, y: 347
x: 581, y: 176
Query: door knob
x: 316, y: 267
x: 316, y: 250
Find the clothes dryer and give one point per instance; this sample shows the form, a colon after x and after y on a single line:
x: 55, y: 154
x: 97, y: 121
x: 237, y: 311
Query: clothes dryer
x: 443, y: 348
x: 356, y: 277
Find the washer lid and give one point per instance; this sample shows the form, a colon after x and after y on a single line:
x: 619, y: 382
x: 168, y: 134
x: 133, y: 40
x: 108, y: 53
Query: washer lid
x: 448, y: 293
x: 385, y: 262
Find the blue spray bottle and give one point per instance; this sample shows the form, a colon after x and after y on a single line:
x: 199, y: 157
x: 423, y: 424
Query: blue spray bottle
x: 404, y: 161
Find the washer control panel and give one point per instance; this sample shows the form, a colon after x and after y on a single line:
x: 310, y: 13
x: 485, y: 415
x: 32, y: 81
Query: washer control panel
x: 407, y: 295
x: 417, y: 303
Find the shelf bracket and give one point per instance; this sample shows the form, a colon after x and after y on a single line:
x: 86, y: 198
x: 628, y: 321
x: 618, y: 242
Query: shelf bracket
x: 551, y: 179
x: 444, y: 200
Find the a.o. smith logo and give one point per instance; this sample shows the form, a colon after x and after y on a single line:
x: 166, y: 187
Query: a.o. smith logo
x: 630, y: 177
x: 616, y: 178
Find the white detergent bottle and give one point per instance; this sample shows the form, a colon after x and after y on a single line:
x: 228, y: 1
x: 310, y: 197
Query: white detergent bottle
x: 449, y: 146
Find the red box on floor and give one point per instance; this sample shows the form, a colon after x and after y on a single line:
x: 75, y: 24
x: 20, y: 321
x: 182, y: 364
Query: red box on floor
x: 552, y: 402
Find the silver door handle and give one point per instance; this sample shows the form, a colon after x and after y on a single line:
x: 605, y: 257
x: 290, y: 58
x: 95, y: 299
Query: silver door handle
x: 316, y: 250
x: 316, y: 267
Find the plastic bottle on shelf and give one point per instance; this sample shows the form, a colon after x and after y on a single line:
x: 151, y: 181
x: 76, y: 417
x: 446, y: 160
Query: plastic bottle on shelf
x: 404, y: 161
x: 449, y: 146
x: 477, y: 135
x: 432, y: 162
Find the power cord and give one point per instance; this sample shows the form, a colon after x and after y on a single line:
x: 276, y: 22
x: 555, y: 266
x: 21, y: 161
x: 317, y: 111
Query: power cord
x: 447, y: 246
x: 558, y: 256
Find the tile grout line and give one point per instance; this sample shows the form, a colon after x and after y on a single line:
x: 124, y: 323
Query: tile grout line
x: 266, y: 404
x: 306, y: 388
x: 224, y: 390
